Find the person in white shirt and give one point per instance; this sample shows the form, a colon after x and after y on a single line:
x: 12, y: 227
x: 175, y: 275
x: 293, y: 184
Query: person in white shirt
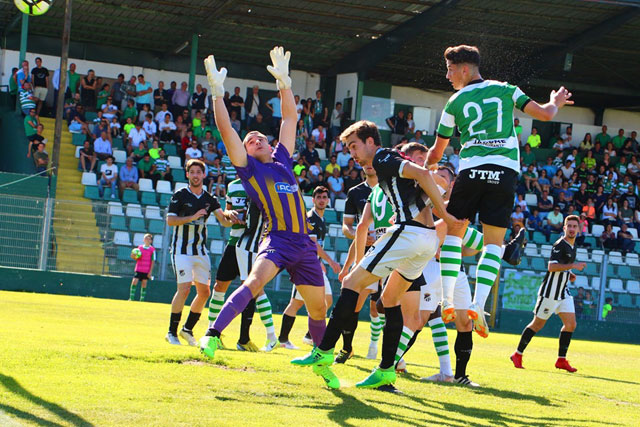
x: 167, y: 129
x: 102, y: 146
x: 164, y: 111
x: 193, y: 152
x: 108, y: 177
x: 136, y: 136
x: 343, y: 156
x: 149, y: 127
x: 299, y: 106
x: 567, y: 137
x: 336, y: 120
x: 252, y: 106
x: 109, y: 110
x: 319, y: 136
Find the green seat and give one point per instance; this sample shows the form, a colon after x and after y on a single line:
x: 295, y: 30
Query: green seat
x: 78, y: 139
x: 148, y: 198
x: 554, y: 237
x: 137, y: 225
x: 164, y: 200
x: 538, y: 264
x: 342, y: 245
x: 117, y: 143
x: 328, y: 244
x: 178, y: 175
x: 624, y: 272
x: 118, y: 223
x: 107, y: 194
x: 331, y: 216
x: 591, y: 241
x: 539, y: 238
x: 91, y: 192
x: 90, y: 116
x: 610, y: 271
x: 625, y: 300
x: 130, y: 196
x: 156, y: 226
x: 124, y: 253
x: 214, y: 232
x: 170, y: 149
x: 592, y: 269
x: 524, y: 264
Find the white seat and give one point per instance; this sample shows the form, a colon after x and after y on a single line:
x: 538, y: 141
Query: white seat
x: 615, y: 230
x: 322, y: 154
x: 89, y: 178
x: 633, y: 232
x: 531, y: 250
x: 335, y: 230
x: 145, y: 184
x: 582, y: 255
x: 582, y: 281
x: 212, y: 220
x: 339, y: 205
x: 550, y: 198
x: 134, y: 210
x: 308, y: 201
x: 545, y: 251
x: 531, y: 199
x: 216, y: 247
x: 152, y: 212
x: 121, y: 238
x: 181, y: 185
x: 615, y: 285
x: 615, y: 258
x: 472, y: 270
x: 632, y: 259
x: 332, y: 254
x: 78, y: 151
x: 596, y: 255
x: 595, y: 283
x: 597, y: 229
x: 115, y: 208
x: 633, y: 287
x: 174, y: 162
x: 158, y: 243
x: 164, y: 187
x: 120, y: 156
x: 138, y: 239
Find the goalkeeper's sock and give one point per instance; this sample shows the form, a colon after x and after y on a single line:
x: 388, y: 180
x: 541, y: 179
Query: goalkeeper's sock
x: 473, y: 239
x: 450, y: 260
x: 143, y: 293
x: 263, y: 306
x: 487, y: 272
x: 132, y: 291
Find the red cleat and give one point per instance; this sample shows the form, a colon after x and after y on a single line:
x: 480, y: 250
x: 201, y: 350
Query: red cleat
x: 563, y: 363
x: 516, y: 358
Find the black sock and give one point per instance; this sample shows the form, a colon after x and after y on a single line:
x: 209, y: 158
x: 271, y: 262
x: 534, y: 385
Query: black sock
x: 565, y: 340
x: 245, y: 322
x: 173, y: 324
x: 285, y: 328
x: 192, y: 319
x: 391, y: 335
x: 342, y: 311
x: 527, y: 334
x: 463, y: 347
x: 349, y: 332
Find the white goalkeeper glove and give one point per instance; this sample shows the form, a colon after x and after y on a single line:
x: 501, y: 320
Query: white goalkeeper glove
x: 215, y: 77
x: 280, y: 67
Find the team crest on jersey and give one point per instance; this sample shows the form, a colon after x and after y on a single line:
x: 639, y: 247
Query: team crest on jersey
x: 427, y: 297
x: 181, y: 273
x: 283, y: 187
x: 492, y: 177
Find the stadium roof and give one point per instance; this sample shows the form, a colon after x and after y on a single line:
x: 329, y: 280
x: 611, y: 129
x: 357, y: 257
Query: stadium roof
x: 396, y: 41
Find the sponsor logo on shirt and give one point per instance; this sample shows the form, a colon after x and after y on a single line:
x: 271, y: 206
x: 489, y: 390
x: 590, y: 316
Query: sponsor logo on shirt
x: 489, y: 142
x: 283, y: 187
x: 492, y: 177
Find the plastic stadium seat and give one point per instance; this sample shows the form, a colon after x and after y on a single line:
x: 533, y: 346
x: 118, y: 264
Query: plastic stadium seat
x: 152, y: 212
x: 596, y: 255
x: 134, y: 211
x: 539, y: 238
x: 308, y: 201
x: 148, y: 198
x: 538, y: 264
x: 342, y: 244
x: 89, y: 178
x: 107, y: 194
x: 158, y: 242
x: 339, y: 205
x: 550, y: 198
x: 615, y: 258
x: 591, y: 269
x: 164, y: 200
x: 633, y: 232
x: 122, y: 238
x: 137, y: 224
x: 212, y: 220
x: 145, y: 184
x: 322, y: 154
x: 90, y: 115
x: 597, y: 229
x: 531, y: 249
x: 632, y: 259
x: 335, y: 230
x: 582, y: 281
x: 181, y: 185
x: 129, y: 195
x: 78, y: 139
x: 329, y: 244
x: 217, y: 247
x: 331, y: 216
x: 124, y: 253
x: 531, y: 199
x: 175, y: 162
x: 633, y: 287
x: 625, y: 300
x: 582, y: 255
x: 78, y: 148
x: 595, y: 283
x: 545, y: 251
x: 178, y: 175
x: 115, y: 208
x: 615, y: 229
x: 164, y: 187
x: 524, y: 263
x: 118, y: 223
x: 624, y: 272
x: 91, y: 192
x: 214, y: 232
x: 344, y: 255
x: 156, y: 226
x: 615, y: 285
x: 120, y: 156
x: 170, y: 149
x: 138, y: 239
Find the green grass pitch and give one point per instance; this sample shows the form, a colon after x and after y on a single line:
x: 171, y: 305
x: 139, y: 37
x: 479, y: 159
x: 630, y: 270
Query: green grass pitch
x: 83, y: 361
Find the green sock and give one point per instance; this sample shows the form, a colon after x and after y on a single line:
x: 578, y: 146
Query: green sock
x: 215, y: 305
x: 405, y: 337
x: 377, y: 323
x: 132, y: 291
x: 266, y: 315
x: 473, y: 239
x: 450, y: 260
x: 487, y: 272
x: 143, y: 292
x: 441, y: 343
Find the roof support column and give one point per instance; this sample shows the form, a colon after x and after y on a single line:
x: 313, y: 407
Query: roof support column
x: 24, y: 32
x: 194, y: 61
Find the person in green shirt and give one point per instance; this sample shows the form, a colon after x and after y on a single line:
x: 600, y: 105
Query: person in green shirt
x: 30, y: 123
x: 603, y: 138
x: 607, y: 308
x: 73, y: 80
x: 139, y: 152
x: 102, y: 96
x: 618, y: 140
x: 154, y: 151
x: 146, y: 166
x: 200, y: 131
x: 518, y: 128
x: 299, y: 167
x: 13, y: 85
x: 528, y: 158
x: 534, y: 140
x: 128, y: 126
x: 130, y: 112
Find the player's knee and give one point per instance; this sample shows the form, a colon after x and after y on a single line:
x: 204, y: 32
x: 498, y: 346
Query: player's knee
x: 570, y: 325
x: 317, y: 311
x: 204, y: 291
x: 254, y: 284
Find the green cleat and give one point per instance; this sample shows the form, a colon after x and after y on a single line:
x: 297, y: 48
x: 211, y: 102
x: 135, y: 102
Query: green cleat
x: 315, y: 357
x: 209, y: 345
x: 379, y: 377
x: 327, y: 375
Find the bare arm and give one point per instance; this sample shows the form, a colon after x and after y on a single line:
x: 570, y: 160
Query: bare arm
x: 436, y: 152
x: 174, y: 221
x: 349, y: 261
x: 347, y: 227
x: 289, y: 120
x: 554, y: 267
x: 548, y: 111
x: 230, y: 137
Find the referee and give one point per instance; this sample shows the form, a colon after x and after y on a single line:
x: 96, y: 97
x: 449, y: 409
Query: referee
x: 554, y: 297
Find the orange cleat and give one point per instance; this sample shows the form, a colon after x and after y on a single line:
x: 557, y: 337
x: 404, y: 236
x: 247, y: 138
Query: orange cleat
x: 448, y: 312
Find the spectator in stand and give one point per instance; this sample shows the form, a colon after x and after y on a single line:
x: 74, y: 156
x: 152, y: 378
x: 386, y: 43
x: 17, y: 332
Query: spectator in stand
x: 592, y: 185
x: 586, y: 143
x: 583, y: 228
x: 40, y: 78
x: 23, y: 75
x: 100, y: 124
x: 31, y: 123
x: 567, y: 137
x: 28, y: 100
x: 608, y: 239
x: 625, y: 214
x: 343, y: 156
x: 560, y: 145
x: 180, y: 99
x: 624, y: 187
x: 544, y: 205
x: 276, y: 114
x: 128, y: 126
x: 590, y: 161
x: 109, y: 109
x: 253, y: 103
x: 609, y: 183
x: 310, y: 154
x: 235, y: 122
x: 139, y: 152
x: 336, y: 187
x: 130, y: 111
x: 603, y: 137
x: 167, y: 129
x: 172, y: 89
x: 149, y: 126
x: 88, y: 159
x: 208, y: 140
x: 135, y: 137
x: 303, y: 181
x: 154, y: 151
x: 186, y: 143
x: 351, y: 180
x: 618, y: 140
x: 609, y: 213
x: 77, y: 122
x: 332, y: 165
x: 319, y: 136
x: 398, y: 125
x: 320, y: 111
x: 192, y: 152
x: 142, y: 113
x: 609, y: 149
x: 534, y: 140
x: 41, y: 159
x: 635, y: 147
x: 633, y: 168
x: 103, y: 146
x: 550, y: 168
x: 627, y: 148
x: 518, y: 127
x: 216, y: 178
x: 144, y: 93
x: 517, y: 218
x: 164, y: 111
x: 117, y: 94
x: 530, y: 178
x: 160, y: 97
x: 567, y: 170
x: 636, y: 219
x: 299, y: 166
x: 625, y: 239
x: 108, y: 177
x: 162, y: 170
x: 209, y: 154
x: 146, y: 166
x: 89, y: 85
x: 578, y: 300
x: 102, y: 96
x: 536, y: 223
x: 555, y: 219
x: 198, y: 99
x: 299, y: 106
x: 237, y: 103
x: 581, y: 196
x: 13, y: 86
x: 417, y: 137
x: 590, y: 213
x: 35, y: 139
x: 336, y: 146
x: 543, y: 181
x: 314, y: 170
x: 73, y: 81
x: 528, y: 158
x: 562, y: 202
x: 336, y: 121
x: 115, y: 128
x: 128, y: 176
x: 259, y: 125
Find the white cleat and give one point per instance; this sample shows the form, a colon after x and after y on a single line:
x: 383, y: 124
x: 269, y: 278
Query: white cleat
x: 307, y: 340
x: 438, y: 378
x: 172, y: 339
x: 373, y: 350
x: 288, y: 345
x: 466, y: 381
x: 270, y: 345
x: 401, y: 367
x: 477, y: 315
x: 188, y: 337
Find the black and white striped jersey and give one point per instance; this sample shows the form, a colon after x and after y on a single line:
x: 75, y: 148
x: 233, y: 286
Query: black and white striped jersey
x: 356, y: 199
x: 191, y: 238
x: 554, y: 285
x: 252, y: 236
x: 404, y: 194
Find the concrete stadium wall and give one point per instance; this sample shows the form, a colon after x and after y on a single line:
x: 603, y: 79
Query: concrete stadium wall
x: 347, y: 87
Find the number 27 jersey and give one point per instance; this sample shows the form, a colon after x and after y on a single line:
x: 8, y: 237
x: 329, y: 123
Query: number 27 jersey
x: 483, y: 113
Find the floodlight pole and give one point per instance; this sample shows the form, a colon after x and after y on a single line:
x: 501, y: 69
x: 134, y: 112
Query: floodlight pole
x: 24, y: 32
x: 64, y: 57
x: 194, y: 61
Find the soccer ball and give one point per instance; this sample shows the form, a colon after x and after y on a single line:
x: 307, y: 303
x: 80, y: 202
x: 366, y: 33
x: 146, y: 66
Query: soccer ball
x: 33, y: 7
x: 136, y: 253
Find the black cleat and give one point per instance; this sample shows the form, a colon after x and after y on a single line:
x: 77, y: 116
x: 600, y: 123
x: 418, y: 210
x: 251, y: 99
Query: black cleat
x: 343, y: 356
x: 389, y: 388
x: 513, y: 250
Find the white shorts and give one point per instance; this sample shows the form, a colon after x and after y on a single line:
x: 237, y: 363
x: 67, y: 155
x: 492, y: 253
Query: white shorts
x: 192, y: 268
x: 40, y: 92
x: 405, y: 248
x: 245, y: 261
x: 431, y: 293
x: 545, y: 307
x: 327, y: 289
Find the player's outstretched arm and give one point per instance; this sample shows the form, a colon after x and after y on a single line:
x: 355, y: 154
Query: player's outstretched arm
x: 280, y: 70
x: 436, y: 152
x: 548, y: 111
x: 230, y: 138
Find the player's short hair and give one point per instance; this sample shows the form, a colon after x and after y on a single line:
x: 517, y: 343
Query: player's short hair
x: 149, y: 236
x: 363, y: 130
x: 575, y: 218
x: 195, y: 162
x: 411, y: 147
x: 463, y: 54
x: 319, y: 190
x: 452, y: 174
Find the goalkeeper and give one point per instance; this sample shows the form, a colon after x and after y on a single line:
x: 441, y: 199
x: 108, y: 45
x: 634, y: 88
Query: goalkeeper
x: 145, y: 257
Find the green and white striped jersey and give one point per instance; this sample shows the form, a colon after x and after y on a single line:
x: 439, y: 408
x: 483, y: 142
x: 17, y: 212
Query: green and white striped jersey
x: 381, y: 210
x: 237, y: 197
x: 483, y: 113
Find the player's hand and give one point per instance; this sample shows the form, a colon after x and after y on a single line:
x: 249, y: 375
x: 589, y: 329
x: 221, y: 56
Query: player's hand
x: 234, y: 217
x: 579, y: 265
x: 334, y: 266
x: 572, y: 277
x: 280, y: 67
x: 454, y: 223
x: 199, y: 214
x: 343, y: 273
x: 433, y: 158
x: 561, y: 97
x: 215, y: 77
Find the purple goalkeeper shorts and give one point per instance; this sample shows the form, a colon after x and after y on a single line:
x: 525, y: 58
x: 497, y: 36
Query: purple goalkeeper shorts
x: 296, y: 253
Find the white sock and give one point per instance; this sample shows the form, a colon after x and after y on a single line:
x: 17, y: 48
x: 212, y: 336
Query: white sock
x: 376, y: 328
x: 263, y: 306
x: 441, y: 343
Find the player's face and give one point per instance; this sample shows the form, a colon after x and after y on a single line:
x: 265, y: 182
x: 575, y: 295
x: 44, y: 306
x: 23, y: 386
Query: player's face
x: 195, y: 176
x: 321, y: 201
x: 257, y: 146
x: 446, y: 178
x: 571, y: 229
x: 361, y: 152
x: 418, y: 157
x: 369, y: 170
x: 147, y: 241
x: 455, y: 74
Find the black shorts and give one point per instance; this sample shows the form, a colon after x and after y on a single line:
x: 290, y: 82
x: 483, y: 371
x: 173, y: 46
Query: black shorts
x: 376, y: 295
x: 141, y: 276
x: 416, y: 284
x: 487, y: 190
x: 228, y: 268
